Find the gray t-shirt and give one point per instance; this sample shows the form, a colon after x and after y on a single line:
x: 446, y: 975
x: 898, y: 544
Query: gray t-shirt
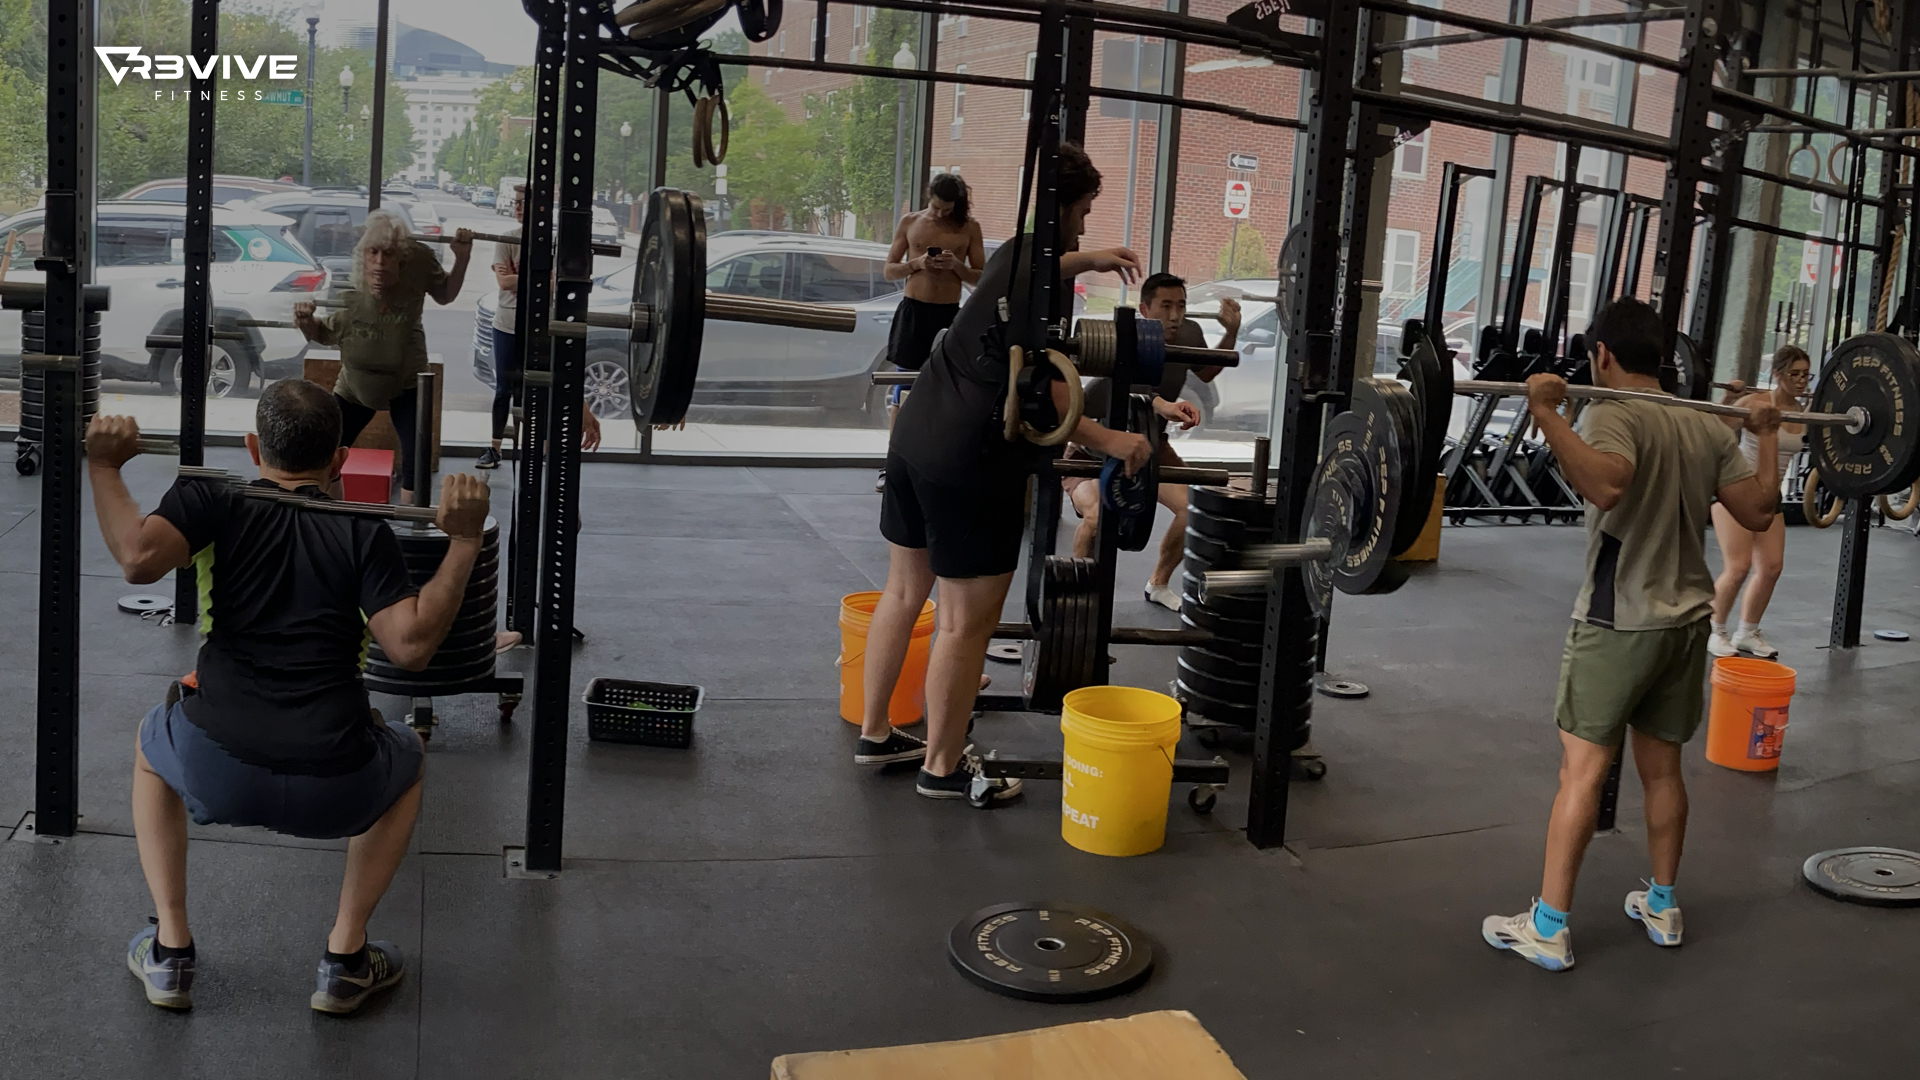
x: 1646, y: 562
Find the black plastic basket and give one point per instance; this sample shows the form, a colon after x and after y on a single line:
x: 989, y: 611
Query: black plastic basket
x: 647, y: 713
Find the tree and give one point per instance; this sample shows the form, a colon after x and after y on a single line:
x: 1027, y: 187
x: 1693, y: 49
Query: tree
x: 1244, y: 256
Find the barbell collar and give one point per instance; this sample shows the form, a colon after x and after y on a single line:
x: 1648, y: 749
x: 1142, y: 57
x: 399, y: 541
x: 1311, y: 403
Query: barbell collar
x: 388, y: 511
x: 1169, y: 474
x: 1855, y: 420
x: 725, y: 307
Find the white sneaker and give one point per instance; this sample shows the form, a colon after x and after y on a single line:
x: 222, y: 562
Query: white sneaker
x: 1164, y: 596
x: 1720, y: 644
x: 1751, y: 643
x: 1516, y: 934
x: 1663, y: 928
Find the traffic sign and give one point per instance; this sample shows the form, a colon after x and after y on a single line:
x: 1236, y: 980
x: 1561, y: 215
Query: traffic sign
x: 1239, y: 202
x: 1243, y: 162
x: 284, y: 97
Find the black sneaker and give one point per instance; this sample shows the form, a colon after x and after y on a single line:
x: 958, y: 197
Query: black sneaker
x: 342, y: 990
x: 962, y: 781
x: 897, y: 746
x: 488, y: 459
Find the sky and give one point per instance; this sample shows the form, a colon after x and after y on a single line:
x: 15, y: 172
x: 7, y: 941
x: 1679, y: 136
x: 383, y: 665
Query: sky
x: 498, y: 29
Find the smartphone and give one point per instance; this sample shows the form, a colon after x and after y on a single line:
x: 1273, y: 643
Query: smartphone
x: 936, y: 251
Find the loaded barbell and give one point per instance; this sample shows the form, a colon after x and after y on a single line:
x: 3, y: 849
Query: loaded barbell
x: 389, y: 511
x: 497, y: 238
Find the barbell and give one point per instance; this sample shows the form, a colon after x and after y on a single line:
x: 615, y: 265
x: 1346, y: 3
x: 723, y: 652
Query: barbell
x: 1862, y: 434
x: 388, y: 511
x: 498, y: 238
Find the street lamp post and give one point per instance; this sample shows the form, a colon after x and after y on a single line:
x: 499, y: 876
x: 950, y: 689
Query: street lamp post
x: 902, y: 61
x: 306, y: 149
x: 626, y: 159
x: 346, y: 87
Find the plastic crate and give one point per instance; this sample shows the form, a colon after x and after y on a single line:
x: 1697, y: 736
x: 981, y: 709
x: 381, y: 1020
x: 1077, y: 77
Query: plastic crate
x: 647, y: 713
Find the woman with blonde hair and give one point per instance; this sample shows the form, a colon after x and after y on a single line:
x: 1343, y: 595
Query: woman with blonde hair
x: 1754, y: 559
x: 377, y: 329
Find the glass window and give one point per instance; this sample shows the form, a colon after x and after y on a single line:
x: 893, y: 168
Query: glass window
x: 757, y: 274
x: 1410, y: 159
x: 835, y: 279
x: 1580, y: 290
x: 959, y: 105
x: 333, y: 232
x: 1402, y: 259
x: 250, y: 243
x: 136, y: 241
x: 24, y: 247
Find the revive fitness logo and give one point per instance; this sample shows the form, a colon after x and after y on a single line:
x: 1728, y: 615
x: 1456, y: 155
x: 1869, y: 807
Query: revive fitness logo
x: 167, y: 68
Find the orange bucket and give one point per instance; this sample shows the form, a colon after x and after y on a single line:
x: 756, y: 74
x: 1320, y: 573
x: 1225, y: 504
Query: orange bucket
x: 1747, y: 721
x: 909, y: 702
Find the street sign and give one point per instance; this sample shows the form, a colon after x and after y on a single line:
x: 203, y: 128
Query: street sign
x: 1239, y: 203
x: 1243, y: 162
x: 284, y: 97
x: 1810, y: 263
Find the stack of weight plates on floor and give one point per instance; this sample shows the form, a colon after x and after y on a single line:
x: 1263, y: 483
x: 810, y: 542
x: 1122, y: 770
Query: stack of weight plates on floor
x: 464, y: 663
x: 33, y: 399
x: 1221, y: 681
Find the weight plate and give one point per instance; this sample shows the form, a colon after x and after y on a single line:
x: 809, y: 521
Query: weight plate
x: 1354, y: 503
x: 1881, y: 374
x: 1233, y: 691
x: 1293, y: 252
x: 1244, y: 650
x: 670, y: 283
x: 1430, y: 369
x: 1397, y: 401
x: 1229, y: 503
x: 1007, y: 652
x: 1890, y: 635
x: 1086, y: 617
x: 1341, y: 688
x: 1208, y: 548
x: 144, y: 603
x: 1880, y: 876
x: 1213, y: 708
x: 1219, y: 665
x: 1248, y: 610
x: 1046, y: 951
x: 1693, y: 378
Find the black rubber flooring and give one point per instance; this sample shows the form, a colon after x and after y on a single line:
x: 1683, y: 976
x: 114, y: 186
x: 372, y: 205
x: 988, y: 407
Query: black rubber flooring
x: 758, y: 894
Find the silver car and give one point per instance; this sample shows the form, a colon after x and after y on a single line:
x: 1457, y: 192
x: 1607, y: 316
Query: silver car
x: 752, y: 373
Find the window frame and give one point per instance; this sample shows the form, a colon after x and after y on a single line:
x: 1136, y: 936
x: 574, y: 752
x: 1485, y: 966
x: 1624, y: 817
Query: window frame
x: 1399, y: 156
x: 1389, y: 261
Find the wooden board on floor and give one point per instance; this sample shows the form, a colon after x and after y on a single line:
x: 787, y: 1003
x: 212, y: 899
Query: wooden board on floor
x: 1150, y: 1046
x: 379, y: 434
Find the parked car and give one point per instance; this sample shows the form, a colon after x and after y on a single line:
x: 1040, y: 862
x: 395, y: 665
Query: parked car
x: 1239, y: 398
x: 482, y: 197
x: 260, y: 269
x: 606, y: 230
x: 425, y: 219
x: 752, y: 373
x: 425, y: 185
x: 225, y: 189
x: 327, y: 224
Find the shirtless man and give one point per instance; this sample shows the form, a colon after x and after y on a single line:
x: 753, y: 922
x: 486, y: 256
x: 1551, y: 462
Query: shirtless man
x: 937, y: 250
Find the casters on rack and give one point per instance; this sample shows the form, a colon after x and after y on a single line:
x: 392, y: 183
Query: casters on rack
x: 26, y: 459
x: 1201, y: 797
x: 508, y: 702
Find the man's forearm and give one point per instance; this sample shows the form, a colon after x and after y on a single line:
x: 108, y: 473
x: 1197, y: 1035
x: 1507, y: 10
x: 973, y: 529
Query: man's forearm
x: 896, y: 271
x: 969, y: 275
x: 119, y: 515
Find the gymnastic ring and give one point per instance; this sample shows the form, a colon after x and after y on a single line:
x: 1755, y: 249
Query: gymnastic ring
x: 1832, y: 173
x: 1016, y: 427
x: 1810, y: 503
x: 702, y: 112
x: 1804, y: 148
x: 1906, y: 508
x: 719, y: 156
x: 656, y: 17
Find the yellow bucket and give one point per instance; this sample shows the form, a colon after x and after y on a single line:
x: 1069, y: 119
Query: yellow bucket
x: 1117, y: 757
x: 909, y: 701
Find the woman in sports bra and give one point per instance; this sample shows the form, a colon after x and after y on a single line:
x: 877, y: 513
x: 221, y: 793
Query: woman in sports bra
x: 1741, y: 549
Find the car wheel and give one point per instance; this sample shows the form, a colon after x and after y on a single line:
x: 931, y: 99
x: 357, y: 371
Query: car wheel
x: 227, y: 374
x: 607, y: 391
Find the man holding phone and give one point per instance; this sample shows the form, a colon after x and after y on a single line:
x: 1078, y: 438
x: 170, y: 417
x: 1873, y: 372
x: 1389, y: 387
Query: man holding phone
x: 937, y: 251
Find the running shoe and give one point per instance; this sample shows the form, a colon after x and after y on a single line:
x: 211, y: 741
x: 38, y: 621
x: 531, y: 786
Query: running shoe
x: 1664, y: 928
x: 1720, y: 644
x: 1751, y: 643
x: 1164, y: 596
x: 1516, y: 934
x: 488, y: 459
x: 963, y: 781
x: 168, y: 983
x: 341, y: 989
x: 880, y: 482
x: 897, y: 746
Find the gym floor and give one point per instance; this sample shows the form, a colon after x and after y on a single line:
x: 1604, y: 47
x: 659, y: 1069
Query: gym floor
x: 759, y: 894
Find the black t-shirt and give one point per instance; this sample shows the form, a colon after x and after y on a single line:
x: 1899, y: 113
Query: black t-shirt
x: 285, y: 594
x: 946, y: 428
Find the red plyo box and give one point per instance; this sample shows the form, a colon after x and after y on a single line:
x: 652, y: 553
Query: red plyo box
x: 367, y: 475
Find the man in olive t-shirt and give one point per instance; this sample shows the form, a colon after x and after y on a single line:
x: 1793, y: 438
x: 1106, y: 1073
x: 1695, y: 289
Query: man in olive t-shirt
x: 383, y: 346
x: 1636, y: 655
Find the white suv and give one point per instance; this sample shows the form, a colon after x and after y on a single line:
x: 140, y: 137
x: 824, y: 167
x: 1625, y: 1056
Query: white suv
x: 259, y: 271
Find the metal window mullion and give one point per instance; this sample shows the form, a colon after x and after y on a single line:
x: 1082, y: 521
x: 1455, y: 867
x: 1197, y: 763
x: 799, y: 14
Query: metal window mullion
x: 197, y: 295
x: 1166, y: 161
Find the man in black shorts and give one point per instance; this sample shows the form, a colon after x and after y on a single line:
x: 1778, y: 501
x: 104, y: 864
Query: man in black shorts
x: 274, y: 728
x: 955, y: 506
x: 937, y: 251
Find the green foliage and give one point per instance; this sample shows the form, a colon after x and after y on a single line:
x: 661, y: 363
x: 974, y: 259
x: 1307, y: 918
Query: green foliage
x: 1244, y: 256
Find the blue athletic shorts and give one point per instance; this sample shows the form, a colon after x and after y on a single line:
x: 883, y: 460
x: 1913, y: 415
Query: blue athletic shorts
x: 220, y: 789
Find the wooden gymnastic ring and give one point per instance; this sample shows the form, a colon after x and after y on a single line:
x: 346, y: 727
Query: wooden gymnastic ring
x: 1906, y: 508
x: 702, y: 112
x: 1070, y: 419
x: 719, y: 156
x: 1832, y: 173
x: 1810, y: 502
x: 1804, y: 148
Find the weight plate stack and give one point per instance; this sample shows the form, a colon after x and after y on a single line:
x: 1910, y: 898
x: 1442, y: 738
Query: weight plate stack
x: 466, y: 656
x: 33, y: 392
x: 1221, y: 680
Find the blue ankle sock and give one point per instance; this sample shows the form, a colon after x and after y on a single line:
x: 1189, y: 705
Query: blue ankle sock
x: 1659, y: 897
x: 1547, y: 920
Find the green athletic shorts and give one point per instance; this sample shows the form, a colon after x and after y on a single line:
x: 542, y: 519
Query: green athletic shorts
x: 1653, y: 680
